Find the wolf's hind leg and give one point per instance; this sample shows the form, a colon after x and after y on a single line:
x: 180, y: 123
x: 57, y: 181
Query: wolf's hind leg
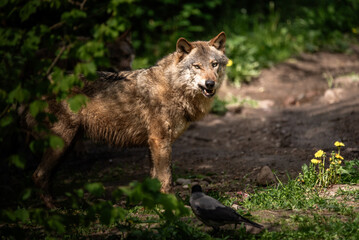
x: 50, y: 159
x: 161, y: 162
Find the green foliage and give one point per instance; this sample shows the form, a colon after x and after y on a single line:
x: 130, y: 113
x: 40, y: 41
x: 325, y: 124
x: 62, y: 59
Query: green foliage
x: 350, y: 172
x: 147, y: 193
x: 85, y: 212
x: 95, y: 189
x: 321, y: 173
x: 292, y: 195
x: 219, y: 106
x: 77, y: 102
x: 17, y: 160
x: 317, y: 227
x: 41, y: 41
x: 256, y: 41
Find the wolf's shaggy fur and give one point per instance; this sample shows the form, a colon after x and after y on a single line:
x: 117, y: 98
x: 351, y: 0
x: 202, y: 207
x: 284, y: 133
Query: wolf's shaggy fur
x: 148, y: 107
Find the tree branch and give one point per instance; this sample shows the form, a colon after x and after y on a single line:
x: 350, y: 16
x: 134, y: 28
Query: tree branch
x: 55, y: 60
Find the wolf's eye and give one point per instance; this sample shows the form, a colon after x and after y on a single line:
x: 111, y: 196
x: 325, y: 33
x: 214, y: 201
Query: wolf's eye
x: 196, y: 66
x: 214, y: 64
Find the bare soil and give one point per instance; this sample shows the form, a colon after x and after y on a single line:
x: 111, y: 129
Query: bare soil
x: 304, y: 104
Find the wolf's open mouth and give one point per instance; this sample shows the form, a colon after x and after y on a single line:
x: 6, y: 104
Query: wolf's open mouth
x: 207, y: 92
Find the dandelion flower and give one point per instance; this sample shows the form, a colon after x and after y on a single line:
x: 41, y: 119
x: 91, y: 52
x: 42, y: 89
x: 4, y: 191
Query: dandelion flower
x: 315, y: 161
x: 339, y: 144
x: 230, y: 63
x: 319, y: 154
x: 338, y: 156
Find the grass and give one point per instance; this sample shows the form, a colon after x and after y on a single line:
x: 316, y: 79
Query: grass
x: 291, y: 210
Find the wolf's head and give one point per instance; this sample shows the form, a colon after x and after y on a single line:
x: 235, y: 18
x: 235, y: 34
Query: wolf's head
x: 201, y: 65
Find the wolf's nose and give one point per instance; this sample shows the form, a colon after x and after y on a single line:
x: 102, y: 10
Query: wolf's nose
x: 210, y: 84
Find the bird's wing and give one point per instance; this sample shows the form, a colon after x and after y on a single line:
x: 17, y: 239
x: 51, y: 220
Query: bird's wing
x: 211, y: 209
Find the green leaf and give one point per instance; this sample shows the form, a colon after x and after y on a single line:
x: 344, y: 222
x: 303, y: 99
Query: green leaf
x: 6, y: 120
x: 31, y: 43
x: 79, y: 193
x: 152, y: 185
x: 55, y: 223
x: 26, y: 194
x: 29, y: 9
x: 56, y: 142
x: 90, y: 50
x: 3, y: 3
x: 77, y: 102
x: 73, y: 15
x: 22, y: 214
x: 95, y: 189
x: 38, y: 145
x: 63, y: 83
x: 10, y: 214
x: 86, y: 69
x: 37, y: 106
x: 2, y: 94
x: 18, y: 94
x: 18, y: 161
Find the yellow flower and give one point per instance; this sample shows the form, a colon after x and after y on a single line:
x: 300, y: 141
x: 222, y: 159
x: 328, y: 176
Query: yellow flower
x: 315, y: 161
x: 338, y: 156
x: 339, y: 144
x: 355, y: 30
x: 330, y: 159
x: 230, y: 63
x: 339, y: 162
x: 319, y: 154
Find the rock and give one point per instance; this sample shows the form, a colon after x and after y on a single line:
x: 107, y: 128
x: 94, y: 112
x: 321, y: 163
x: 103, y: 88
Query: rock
x: 235, y: 108
x: 266, y: 104
x: 265, y: 176
x: 290, y: 101
x: 207, y: 179
x: 203, y: 183
x: 183, y: 181
x: 194, y: 183
x: 235, y: 206
x: 333, y: 95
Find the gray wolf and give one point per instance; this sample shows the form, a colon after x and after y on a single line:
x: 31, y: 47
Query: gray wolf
x: 147, y: 107
x: 213, y: 213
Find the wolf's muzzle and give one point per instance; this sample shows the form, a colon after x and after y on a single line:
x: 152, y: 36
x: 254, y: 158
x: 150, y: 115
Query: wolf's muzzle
x: 210, y: 84
x: 207, y: 92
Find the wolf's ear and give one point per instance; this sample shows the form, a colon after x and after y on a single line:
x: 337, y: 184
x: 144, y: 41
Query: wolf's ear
x: 219, y: 41
x: 183, y: 46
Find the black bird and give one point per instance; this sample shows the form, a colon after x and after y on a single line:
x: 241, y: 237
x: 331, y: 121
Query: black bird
x: 213, y: 213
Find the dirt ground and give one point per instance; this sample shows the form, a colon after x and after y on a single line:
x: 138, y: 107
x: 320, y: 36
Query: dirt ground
x: 304, y: 104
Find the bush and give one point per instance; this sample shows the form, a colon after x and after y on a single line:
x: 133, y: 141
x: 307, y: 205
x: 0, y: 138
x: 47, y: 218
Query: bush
x: 86, y: 213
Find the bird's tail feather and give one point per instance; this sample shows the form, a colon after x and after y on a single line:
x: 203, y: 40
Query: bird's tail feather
x: 247, y: 221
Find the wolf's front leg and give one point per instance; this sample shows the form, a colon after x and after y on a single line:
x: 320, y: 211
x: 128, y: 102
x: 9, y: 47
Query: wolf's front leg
x: 161, y: 162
